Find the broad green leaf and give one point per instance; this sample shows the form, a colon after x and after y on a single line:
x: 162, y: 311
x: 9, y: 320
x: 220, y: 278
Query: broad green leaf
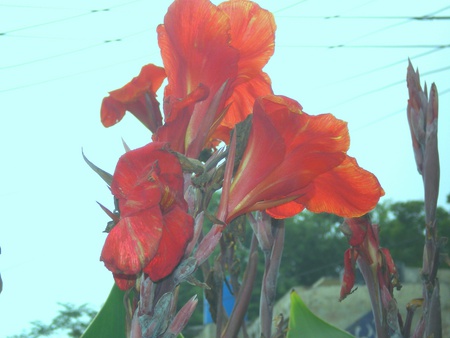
x: 305, y: 324
x: 110, y: 321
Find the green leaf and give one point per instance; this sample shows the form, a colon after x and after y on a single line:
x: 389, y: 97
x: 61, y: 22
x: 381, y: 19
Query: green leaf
x: 110, y: 321
x: 305, y: 324
x: 107, y: 177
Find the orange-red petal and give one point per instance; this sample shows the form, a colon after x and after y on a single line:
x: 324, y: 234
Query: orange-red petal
x: 177, y: 117
x: 143, y: 174
x: 287, y: 149
x: 242, y: 100
x: 124, y: 282
x: 348, y: 280
x: 133, y: 242
x: 347, y: 190
x: 138, y: 97
x: 253, y: 34
x: 194, y: 42
x: 286, y: 210
x: 112, y: 111
x: 195, y: 47
x: 178, y: 228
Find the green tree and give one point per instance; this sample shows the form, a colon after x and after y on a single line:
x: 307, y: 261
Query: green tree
x: 402, y: 229
x: 71, y: 320
x: 314, y: 248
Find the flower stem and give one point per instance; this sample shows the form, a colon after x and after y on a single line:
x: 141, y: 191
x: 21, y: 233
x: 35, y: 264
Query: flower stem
x: 269, y: 285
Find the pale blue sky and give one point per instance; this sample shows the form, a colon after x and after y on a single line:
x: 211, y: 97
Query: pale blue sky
x: 56, y: 66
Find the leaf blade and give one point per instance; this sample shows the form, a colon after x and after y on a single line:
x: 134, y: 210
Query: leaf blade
x: 110, y: 321
x: 305, y: 324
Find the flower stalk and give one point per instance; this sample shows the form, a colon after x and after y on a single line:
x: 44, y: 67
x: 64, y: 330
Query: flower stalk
x: 422, y: 113
x: 377, y: 268
x: 221, y: 127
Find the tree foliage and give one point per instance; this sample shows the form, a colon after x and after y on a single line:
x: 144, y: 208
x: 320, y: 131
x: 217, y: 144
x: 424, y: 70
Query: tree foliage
x: 72, y: 321
x: 314, y: 248
x: 402, y: 229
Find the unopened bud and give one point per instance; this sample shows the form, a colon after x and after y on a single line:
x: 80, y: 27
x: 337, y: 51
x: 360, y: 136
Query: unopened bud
x: 208, y: 244
x: 183, y: 316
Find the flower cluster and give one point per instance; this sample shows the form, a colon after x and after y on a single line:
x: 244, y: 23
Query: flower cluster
x: 154, y: 227
x: 213, y: 59
x: 366, y: 251
x: 294, y: 161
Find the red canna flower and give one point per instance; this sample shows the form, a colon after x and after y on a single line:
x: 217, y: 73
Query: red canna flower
x: 138, y: 97
x: 154, y: 226
x: 376, y: 266
x: 294, y: 161
x: 213, y: 57
x: 219, y: 48
x: 375, y: 262
x: 253, y: 35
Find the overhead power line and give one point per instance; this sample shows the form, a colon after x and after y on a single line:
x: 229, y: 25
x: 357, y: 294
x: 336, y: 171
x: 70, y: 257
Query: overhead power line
x: 69, y: 75
x: 42, y: 7
x: 343, y: 17
x: 393, y: 25
x: 49, y: 22
x: 386, y: 66
x: 104, y: 42
x: 290, y: 6
x: 399, y: 111
x: 93, y: 11
x: 368, y: 46
x: 51, y: 57
x: 381, y: 119
x: 376, y: 90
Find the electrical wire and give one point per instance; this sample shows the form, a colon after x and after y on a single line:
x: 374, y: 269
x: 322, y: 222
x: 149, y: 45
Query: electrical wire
x: 392, y: 26
x: 42, y: 7
x: 289, y: 7
x: 48, y: 22
x: 385, y: 117
x: 73, y: 51
x: 374, y: 70
x: 340, y: 17
x: 33, y: 84
x: 435, y: 48
x: 395, y: 46
x: 376, y: 90
x: 93, y: 11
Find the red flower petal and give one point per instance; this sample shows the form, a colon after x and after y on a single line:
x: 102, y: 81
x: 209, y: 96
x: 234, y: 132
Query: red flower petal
x: 241, y: 103
x: 347, y: 191
x: 349, y: 273
x: 138, y: 97
x: 286, y: 210
x: 133, y: 242
x: 112, y: 111
x: 144, y: 175
x: 286, y: 150
x: 253, y: 34
x: 178, y: 114
x: 358, y: 230
x: 125, y: 282
x: 194, y: 42
x: 195, y: 47
x: 178, y: 228
x: 389, y: 261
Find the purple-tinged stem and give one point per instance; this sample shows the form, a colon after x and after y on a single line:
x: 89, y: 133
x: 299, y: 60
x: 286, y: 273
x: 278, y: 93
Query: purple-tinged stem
x: 245, y: 293
x: 373, y: 288
x: 269, y: 284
